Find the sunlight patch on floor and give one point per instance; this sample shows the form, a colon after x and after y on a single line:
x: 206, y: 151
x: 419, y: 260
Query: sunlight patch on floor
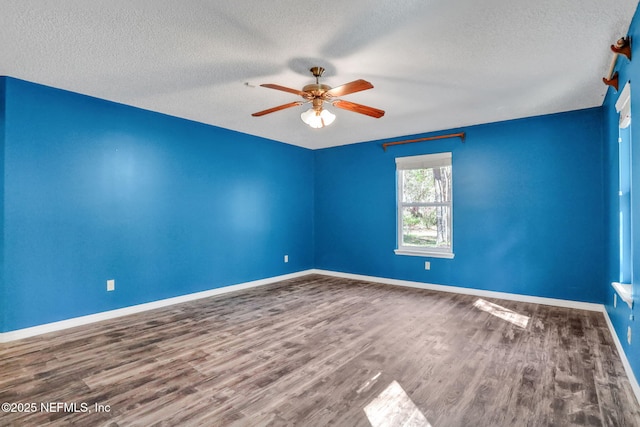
x: 394, y: 408
x: 503, y: 313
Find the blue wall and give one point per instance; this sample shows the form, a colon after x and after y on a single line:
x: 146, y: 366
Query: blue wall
x: 622, y: 316
x: 3, y: 312
x: 95, y: 190
x: 528, y: 209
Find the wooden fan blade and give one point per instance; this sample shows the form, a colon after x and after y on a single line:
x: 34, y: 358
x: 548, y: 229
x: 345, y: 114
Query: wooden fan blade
x: 347, y: 88
x: 278, y: 108
x: 285, y: 89
x: 358, y: 108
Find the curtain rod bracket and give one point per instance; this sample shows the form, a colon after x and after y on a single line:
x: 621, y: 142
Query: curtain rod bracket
x: 613, y: 81
x: 623, y: 47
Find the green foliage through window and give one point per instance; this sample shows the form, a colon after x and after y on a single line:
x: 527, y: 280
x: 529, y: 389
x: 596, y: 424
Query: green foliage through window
x: 425, y: 207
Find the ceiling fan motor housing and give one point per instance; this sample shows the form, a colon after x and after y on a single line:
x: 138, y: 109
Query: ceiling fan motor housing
x: 315, y: 90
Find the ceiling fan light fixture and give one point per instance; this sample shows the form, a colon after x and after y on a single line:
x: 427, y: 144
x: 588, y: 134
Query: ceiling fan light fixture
x: 318, y: 118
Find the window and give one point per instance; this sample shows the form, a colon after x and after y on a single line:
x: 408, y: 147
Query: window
x: 425, y: 205
x: 624, y: 287
x: 624, y: 200
x: 623, y: 106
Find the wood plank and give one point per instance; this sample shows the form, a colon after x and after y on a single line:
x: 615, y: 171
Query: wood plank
x: 318, y: 350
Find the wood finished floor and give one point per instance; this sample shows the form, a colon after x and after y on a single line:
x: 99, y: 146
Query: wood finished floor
x: 317, y: 351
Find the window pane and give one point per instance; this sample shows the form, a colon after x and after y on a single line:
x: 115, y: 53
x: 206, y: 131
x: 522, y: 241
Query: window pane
x: 624, y: 159
x: 428, y: 227
x: 426, y: 185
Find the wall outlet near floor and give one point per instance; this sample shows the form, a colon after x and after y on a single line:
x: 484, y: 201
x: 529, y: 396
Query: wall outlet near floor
x: 111, y: 285
x: 629, y: 334
x: 427, y: 265
x: 286, y: 258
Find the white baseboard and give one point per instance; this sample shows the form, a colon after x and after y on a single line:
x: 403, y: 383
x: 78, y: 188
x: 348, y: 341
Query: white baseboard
x: 506, y: 296
x: 468, y: 291
x: 111, y: 314
x: 625, y: 362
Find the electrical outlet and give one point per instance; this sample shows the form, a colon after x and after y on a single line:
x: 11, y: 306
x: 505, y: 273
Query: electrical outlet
x: 111, y: 285
x: 629, y: 334
x: 427, y: 265
x: 286, y: 258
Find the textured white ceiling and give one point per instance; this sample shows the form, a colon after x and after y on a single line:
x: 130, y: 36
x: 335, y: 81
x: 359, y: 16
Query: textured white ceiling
x: 435, y: 64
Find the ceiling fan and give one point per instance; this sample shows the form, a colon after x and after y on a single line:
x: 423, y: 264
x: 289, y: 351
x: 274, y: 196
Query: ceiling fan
x: 317, y: 94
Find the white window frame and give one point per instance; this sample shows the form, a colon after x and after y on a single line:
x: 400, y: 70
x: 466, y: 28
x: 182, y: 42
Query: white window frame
x: 624, y: 287
x: 424, y: 161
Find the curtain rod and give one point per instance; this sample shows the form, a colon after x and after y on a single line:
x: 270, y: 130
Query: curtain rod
x: 622, y: 47
x: 460, y: 135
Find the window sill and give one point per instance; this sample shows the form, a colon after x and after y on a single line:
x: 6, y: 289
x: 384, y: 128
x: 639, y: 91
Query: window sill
x: 425, y: 254
x: 625, y: 291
